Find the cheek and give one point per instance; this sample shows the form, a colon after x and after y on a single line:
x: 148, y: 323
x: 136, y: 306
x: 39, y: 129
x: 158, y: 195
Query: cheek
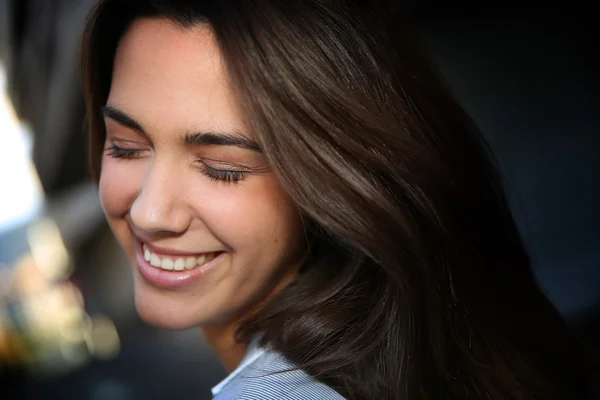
x: 117, y: 187
x: 257, y: 215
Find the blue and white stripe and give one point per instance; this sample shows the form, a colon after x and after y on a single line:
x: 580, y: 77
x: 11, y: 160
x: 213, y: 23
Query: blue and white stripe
x: 268, y: 375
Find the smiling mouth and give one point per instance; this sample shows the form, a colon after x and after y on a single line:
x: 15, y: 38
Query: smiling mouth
x: 174, y: 263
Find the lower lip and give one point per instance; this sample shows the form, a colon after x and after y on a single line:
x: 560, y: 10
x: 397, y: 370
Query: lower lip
x: 171, y: 279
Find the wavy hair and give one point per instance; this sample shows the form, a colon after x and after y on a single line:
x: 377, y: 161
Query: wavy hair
x: 418, y: 285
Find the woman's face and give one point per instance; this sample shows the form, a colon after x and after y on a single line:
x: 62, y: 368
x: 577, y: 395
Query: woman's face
x: 190, y: 197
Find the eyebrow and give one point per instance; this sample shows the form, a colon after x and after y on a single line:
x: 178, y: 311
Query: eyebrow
x: 121, y: 118
x: 235, y: 139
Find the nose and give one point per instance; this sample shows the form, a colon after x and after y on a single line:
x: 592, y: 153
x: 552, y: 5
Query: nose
x: 160, y: 206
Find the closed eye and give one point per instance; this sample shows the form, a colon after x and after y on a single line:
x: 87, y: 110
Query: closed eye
x: 118, y: 152
x: 223, y: 175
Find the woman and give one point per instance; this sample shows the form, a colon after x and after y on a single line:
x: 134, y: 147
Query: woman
x: 294, y: 178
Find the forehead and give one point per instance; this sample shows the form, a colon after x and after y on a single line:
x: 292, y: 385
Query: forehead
x: 173, y: 78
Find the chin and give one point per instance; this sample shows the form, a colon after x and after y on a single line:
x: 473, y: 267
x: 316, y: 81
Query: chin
x: 158, y: 318
x: 163, y: 311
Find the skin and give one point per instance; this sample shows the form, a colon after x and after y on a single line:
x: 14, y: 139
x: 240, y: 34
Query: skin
x: 172, y: 82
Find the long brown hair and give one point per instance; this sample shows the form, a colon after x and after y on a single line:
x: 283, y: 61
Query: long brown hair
x: 418, y: 285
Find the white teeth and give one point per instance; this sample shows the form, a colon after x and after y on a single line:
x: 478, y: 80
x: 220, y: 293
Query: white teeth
x: 155, y: 261
x: 167, y: 264
x: 177, y: 264
x: 190, y: 262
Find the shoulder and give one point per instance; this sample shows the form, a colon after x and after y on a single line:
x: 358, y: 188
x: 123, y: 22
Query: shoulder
x: 270, y: 377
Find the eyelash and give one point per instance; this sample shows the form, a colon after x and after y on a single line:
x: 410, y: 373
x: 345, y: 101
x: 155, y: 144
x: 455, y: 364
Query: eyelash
x: 118, y: 152
x: 223, y: 175
x: 211, y: 173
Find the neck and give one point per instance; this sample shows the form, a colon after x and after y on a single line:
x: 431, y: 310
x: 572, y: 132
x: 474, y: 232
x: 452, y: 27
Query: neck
x: 221, y: 338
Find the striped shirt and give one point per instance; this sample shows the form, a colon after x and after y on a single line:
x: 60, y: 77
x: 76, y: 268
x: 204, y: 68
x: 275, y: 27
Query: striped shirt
x: 267, y: 375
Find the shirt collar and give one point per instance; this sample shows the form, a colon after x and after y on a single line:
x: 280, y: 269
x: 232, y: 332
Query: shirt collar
x: 252, y: 353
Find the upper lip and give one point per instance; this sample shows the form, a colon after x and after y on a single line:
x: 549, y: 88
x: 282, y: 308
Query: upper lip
x: 161, y: 250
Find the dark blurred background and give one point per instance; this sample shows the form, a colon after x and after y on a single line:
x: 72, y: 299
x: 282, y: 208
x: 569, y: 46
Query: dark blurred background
x: 68, y: 327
